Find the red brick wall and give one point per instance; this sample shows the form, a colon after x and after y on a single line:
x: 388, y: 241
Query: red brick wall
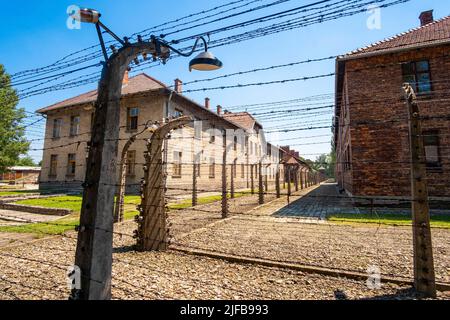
x: 380, y: 151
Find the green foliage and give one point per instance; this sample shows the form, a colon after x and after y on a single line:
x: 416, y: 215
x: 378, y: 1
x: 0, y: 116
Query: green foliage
x: 12, y: 140
x: 325, y: 162
x: 437, y: 220
x: 26, y: 162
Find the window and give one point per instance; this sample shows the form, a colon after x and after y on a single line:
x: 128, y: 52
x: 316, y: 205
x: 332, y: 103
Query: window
x: 418, y: 75
x: 347, y: 163
x: 212, y: 168
x: 92, y: 120
x: 71, y: 164
x: 197, y: 170
x: 177, y: 157
x: 212, y: 138
x: 242, y: 171
x: 53, y: 165
x: 131, y: 163
x: 198, y: 129
x: 178, y: 113
x: 132, y: 118
x: 57, y: 123
x: 431, y: 144
x: 74, y: 125
x: 235, y: 143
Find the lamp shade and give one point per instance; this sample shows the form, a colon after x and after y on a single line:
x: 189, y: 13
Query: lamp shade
x: 88, y: 15
x: 205, y: 61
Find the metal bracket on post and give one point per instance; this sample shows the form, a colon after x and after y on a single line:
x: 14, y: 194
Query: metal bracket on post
x: 424, y: 275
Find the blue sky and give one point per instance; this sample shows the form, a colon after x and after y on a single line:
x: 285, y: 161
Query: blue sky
x: 34, y: 34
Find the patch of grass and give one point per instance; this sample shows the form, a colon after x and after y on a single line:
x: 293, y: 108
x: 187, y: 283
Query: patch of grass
x: 57, y: 227
x: 202, y: 200
x: 73, y: 203
x: 437, y: 221
x: 17, y: 192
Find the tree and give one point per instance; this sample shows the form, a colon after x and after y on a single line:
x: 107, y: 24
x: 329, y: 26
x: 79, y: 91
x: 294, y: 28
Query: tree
x: 12, y: 134
x: 326, y: 162
x: 26, y: 162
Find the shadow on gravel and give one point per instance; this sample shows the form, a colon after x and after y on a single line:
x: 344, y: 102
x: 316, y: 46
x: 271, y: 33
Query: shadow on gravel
x: 124, y: 249
x: 401, y: 294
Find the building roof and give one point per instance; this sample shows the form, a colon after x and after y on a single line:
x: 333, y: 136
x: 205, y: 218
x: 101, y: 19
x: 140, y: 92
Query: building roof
x: 434, y: 33
x: 243, y: 119
x: 139, y: 83
x: 429, y: 35
x: 24, y: 168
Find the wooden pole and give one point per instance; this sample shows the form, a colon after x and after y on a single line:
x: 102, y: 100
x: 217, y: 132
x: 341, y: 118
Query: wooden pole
x: 194, y: 183
x: 233, y: 172
x: 301, y: 178
x: 296, y: 179
x: 289, y: 180
x: 152, y: 233
x: 424, y: 274
x: 277, y: 183
x: 95, y: 234
x: 252, y: 179
x: 224, y: 179
x: 260, y: 184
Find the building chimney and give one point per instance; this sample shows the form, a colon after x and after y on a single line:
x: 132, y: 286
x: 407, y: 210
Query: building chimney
x: 426, y: 17
x: 125, y: 78
x: 207, y: 103
x: 219, y: 110
x: 178, y: 86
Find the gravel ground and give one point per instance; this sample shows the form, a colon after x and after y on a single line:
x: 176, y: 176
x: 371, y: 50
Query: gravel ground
x: 343, y: 247
x: 37, y: 270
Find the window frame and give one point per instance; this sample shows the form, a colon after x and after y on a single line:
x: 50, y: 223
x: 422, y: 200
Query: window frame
x: 131, y: 165
x: 53, y: 168
x: 212, y: 168
x: 177, y: 166
x: 415, y: 74
x: 131, y: 118
x: 74, y: 124
x: 56, y: 130
x: 71, y: 165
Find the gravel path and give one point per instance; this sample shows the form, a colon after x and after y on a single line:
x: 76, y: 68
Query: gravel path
x: 343, y: 247
x: 37, y: 270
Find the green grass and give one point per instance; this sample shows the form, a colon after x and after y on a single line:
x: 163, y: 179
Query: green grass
x: 437, y: 221
x: 73, y: 203
x: 57, y: 227
x: 202, y: 200
x: 17, y: 192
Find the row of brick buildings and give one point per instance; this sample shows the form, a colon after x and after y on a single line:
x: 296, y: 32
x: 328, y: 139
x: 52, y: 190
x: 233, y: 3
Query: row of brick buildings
x: 146, y: 99
x: 371, y: 118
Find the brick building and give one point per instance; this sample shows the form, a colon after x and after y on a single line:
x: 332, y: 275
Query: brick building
x: 371, y: 120
x: 144, y: 98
